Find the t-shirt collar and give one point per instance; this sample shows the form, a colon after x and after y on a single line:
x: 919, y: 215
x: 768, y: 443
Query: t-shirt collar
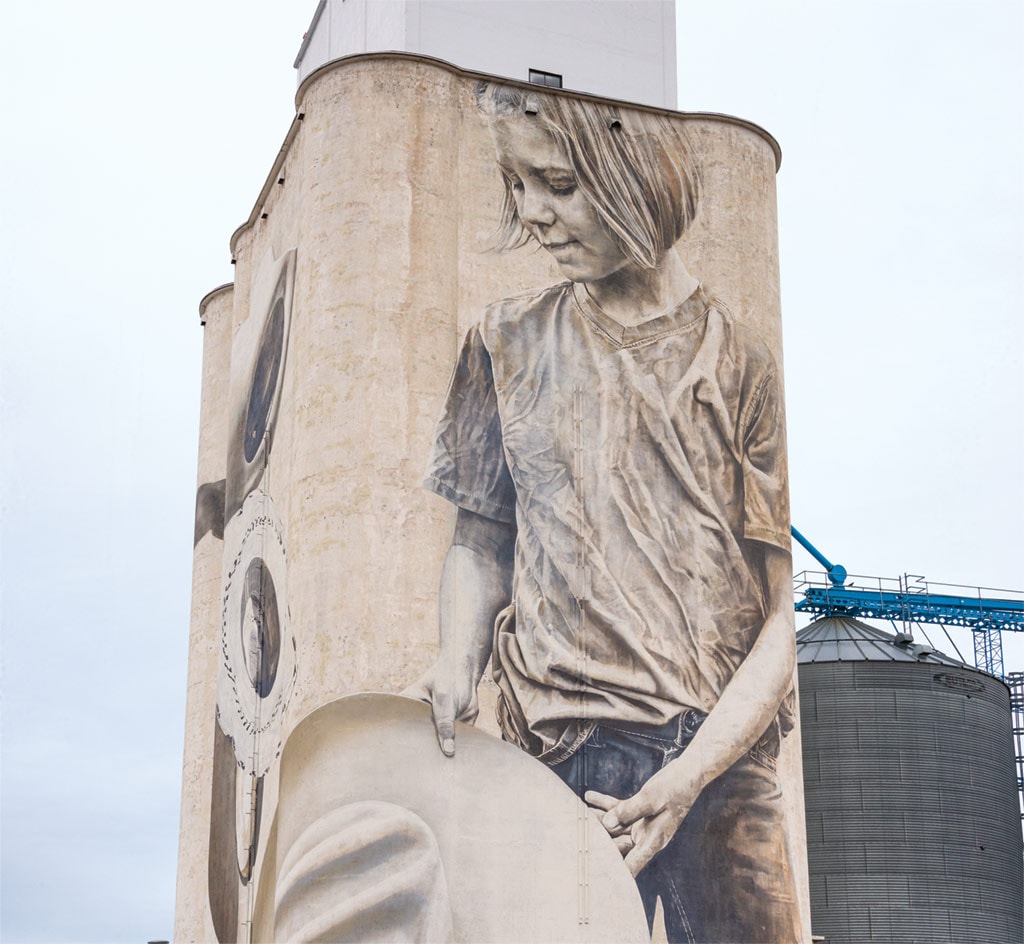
x: 685, y: 315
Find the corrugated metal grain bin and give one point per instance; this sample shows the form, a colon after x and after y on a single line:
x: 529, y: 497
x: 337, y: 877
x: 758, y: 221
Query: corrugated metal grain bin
x: 913, y: 825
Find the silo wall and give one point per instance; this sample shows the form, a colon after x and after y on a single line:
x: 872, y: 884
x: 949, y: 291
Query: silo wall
x: 913, y: 825
x: 363, y: 263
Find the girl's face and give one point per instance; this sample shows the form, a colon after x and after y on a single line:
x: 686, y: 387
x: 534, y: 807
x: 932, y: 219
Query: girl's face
x: 550, y: 204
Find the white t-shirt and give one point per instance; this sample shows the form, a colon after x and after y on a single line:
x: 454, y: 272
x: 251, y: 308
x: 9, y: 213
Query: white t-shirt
x: 641, y: 466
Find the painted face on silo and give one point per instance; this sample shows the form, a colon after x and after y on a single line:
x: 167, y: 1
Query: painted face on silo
x: 550, y: 203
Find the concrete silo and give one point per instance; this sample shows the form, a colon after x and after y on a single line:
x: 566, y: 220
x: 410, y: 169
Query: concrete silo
x: 913, y: 825
x: 362, y: 275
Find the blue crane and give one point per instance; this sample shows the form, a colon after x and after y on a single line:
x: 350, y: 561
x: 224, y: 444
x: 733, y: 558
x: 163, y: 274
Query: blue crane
x: 912, y: 600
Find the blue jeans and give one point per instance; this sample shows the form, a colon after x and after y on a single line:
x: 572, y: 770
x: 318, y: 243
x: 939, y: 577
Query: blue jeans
x: 725, y: 876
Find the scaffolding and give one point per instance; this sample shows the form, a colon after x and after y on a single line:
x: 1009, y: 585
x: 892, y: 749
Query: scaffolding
x: 1016, y: 682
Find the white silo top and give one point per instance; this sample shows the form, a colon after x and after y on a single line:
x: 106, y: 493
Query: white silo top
x: 624, y: 49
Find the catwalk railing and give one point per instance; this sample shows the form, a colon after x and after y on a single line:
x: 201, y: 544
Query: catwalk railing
x: 987, y: 612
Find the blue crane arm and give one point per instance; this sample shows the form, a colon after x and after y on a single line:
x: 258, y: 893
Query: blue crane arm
x: 836, y: 572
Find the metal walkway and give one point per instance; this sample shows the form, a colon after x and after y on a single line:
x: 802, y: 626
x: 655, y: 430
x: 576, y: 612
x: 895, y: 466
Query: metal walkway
x: 985, y: 611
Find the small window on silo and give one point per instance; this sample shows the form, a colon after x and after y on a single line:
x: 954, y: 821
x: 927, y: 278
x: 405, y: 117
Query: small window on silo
x: 550, y: 79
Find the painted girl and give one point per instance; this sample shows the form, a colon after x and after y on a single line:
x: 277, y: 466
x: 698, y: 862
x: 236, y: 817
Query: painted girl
x: 615, y: 447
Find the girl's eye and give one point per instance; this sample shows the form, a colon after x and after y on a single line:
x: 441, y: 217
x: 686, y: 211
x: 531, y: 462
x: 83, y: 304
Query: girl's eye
x: 560, y: 184
x: 514, y: 182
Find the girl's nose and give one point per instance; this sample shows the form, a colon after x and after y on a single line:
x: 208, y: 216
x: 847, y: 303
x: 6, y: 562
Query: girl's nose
x: 535, y: 208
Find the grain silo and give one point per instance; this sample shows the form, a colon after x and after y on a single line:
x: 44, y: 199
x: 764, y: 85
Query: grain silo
x: 362, y: 276
x: 913, y: 825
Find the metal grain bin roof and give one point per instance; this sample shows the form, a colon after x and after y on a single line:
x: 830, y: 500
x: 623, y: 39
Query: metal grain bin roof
x: 841, y: 639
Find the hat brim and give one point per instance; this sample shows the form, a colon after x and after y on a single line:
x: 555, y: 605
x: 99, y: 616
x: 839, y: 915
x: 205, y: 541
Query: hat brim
x: 523, y: 858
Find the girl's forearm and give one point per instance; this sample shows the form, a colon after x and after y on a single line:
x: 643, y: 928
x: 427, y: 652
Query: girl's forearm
x: 752, y: 697
x: 746, y: 707
x: 476, y: 583
x: 473, y: 591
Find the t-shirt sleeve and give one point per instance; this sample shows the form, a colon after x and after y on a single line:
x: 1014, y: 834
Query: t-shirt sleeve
x: 467, y: 464
x: 765, y: 474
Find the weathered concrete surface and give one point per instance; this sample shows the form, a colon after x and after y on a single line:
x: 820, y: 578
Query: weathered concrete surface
x: 192, y: 911
x: 389, y: 196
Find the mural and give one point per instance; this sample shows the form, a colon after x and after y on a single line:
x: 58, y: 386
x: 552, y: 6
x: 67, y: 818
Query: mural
x: 258, y: 401
x: 615, y: 448
x: 615, y: 598
x: 257, y: 648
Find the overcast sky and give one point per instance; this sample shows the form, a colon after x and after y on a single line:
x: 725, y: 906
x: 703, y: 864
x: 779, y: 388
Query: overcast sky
x: 136, y: 137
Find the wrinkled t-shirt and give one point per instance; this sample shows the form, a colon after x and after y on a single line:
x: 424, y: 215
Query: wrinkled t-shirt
x: 641, y: 465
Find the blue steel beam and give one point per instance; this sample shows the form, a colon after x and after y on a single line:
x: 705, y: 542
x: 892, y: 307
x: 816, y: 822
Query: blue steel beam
x: 913, y: 602
x: 973, y: 612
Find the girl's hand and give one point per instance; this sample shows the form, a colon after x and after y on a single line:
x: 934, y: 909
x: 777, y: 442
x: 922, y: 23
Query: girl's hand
x: 621, y: 836
x: 476, y: 584
x: 644, y: 824
x: 451, y: 696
